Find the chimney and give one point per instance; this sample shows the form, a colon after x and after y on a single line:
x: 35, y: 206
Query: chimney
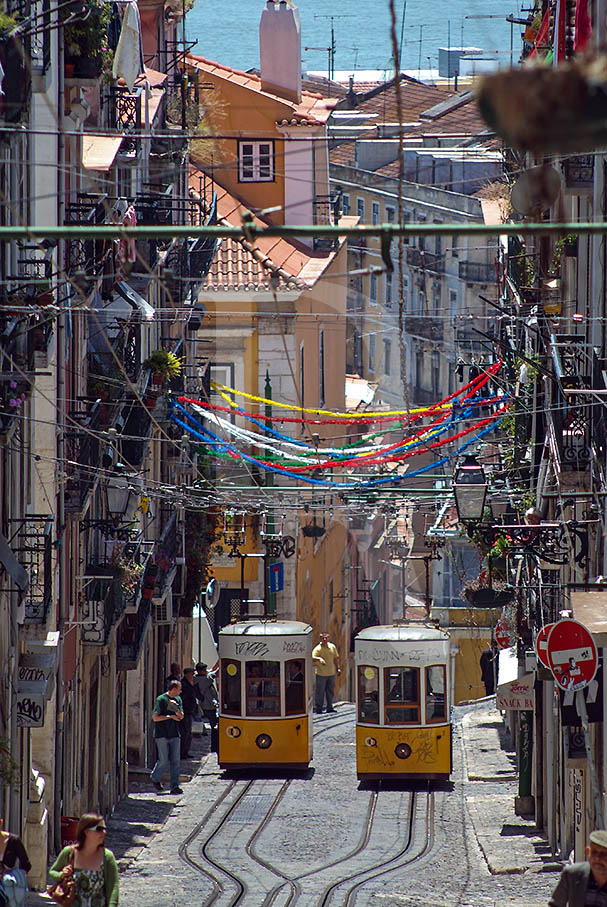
x: 280, y: 50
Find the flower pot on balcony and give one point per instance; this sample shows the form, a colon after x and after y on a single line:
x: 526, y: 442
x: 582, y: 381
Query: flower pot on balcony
x: 147, y: 592
x: 69, y: 70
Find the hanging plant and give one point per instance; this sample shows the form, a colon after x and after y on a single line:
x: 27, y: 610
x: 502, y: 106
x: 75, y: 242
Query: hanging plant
x: 128, y: 574
x: 9, y: 767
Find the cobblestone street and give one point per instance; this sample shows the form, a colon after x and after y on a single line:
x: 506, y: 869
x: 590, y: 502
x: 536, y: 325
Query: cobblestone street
x: 307, y: 836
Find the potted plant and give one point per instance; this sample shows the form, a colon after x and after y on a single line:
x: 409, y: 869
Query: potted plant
x: 129, y: 574
x: 86, y: 38
x: 488, y: 592
x: 164, y: 364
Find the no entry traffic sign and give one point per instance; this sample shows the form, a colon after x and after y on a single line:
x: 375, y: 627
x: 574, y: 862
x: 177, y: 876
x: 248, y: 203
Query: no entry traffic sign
x: 572, y: 655
x: 541, y: 644
x: 502, y: 635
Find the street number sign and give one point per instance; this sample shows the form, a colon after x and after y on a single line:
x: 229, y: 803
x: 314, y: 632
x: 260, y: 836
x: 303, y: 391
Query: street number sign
x: 572, y: 655
x: 541, y: 645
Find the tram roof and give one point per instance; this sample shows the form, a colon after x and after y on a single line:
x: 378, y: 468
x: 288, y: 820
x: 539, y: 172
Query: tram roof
x: 266, y: 628
x: 398, y: 632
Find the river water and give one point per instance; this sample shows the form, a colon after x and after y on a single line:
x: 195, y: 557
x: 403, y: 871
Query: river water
x: 228, y: 31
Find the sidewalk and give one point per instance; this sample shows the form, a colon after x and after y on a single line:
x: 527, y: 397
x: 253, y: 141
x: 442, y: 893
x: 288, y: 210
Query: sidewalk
x: 141, y: 815
x: 510, y: 843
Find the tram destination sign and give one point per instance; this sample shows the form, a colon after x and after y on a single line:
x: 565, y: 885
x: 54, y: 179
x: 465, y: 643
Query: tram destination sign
x: 425, y: 653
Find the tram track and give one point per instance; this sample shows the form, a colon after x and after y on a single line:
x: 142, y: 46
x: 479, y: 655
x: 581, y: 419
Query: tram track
x: 219, y: 887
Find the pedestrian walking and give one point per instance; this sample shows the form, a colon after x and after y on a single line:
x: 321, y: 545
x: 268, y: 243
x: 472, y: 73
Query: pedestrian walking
x: 489, y: 666
x: 190, y: 702
x: 88, y: 865
x: 174, y: 675
x: 584, y: 884
x: 168, y: 712
x: 13, y: 878
x: 207, y: 694
x: 326, y: 665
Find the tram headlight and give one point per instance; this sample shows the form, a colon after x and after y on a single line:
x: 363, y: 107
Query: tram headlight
x: 232, y: 731
x: 402, y: 750
x: 370, y: 741
x: 263, y: 741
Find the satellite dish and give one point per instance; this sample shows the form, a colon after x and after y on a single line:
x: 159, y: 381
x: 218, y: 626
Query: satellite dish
x: 211, y: 595
x: 536, y: 190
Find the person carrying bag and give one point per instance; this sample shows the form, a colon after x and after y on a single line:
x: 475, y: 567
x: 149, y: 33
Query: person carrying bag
x: 13, y: 879
x: 64, y: 891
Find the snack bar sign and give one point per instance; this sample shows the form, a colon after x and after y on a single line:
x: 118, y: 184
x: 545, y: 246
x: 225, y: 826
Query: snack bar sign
x: 517, y: 694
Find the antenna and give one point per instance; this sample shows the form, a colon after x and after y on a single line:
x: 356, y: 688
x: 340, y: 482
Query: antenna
x: 331, y: 49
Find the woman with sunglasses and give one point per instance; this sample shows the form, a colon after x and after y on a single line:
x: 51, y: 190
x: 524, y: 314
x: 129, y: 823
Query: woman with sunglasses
x: 91, y: 864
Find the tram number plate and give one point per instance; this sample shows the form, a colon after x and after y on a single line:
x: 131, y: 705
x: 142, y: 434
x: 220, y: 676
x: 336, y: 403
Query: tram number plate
x: 252, y: 808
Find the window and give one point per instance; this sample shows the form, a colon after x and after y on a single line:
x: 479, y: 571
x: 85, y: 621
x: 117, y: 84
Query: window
x: 436, y: 706
x: 438, y: 244
x: 263, y: 687
x: 435, y: 374
x: 406, y: 220
x: 452, y: 306
x: 360, y: 209
x: 388, y: 283
x: 389, y: 214
x: 436, y: 294
x: 373, y: 289
x: 230, y: 687
x: 421, y: 240
x: 387, y: 356
x: 255, y: 162
x: 419, y: 368
x: 401, y: 695
x: 302, y: 384
x: 295, y: 688
x: 375, y: 212
x: 454, y: 249
x: 331, y: 597
x: 371, y: 365
x: 345, y: 203
x: 321, y: 365
x: 368, y: 702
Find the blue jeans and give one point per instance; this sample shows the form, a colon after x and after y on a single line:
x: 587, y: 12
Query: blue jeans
x: 325, y: 688
x: 169, y: 751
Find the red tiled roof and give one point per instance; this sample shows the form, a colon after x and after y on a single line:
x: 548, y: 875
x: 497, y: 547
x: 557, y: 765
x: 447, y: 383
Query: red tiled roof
x: 255, y: 265
x: 416, y: 99
x: 312, y: 110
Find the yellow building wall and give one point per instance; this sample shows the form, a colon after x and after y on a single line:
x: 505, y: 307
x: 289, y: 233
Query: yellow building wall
x: 231, y: 109
x: 469, y: 629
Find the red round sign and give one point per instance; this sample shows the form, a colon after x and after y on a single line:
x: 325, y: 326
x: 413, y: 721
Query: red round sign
x: 502, y: 635
x: 541, y: 644
x: 572, y: 655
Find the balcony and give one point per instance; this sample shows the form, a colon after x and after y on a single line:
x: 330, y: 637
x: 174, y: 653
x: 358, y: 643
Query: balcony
x: 15, y: 65
x: 33, y: 545
x: 428, y: 327
x: 84, y: 448
x: 578, y: 173
x: 168, y: 549
x: 477, y: 272
x: 578, y: 426
x: 131, y: 635
x: 85, y: 255
x: 16, y: 357
x: 428, y: 261
x: 102, y: 606
x: 121, y: 110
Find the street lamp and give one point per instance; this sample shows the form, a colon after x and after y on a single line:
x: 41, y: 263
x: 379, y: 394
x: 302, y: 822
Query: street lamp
x: 470, y: 490
x: 123, y: 493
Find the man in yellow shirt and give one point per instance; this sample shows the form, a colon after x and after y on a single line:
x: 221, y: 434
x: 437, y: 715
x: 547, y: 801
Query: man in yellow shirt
x: 327, y: 666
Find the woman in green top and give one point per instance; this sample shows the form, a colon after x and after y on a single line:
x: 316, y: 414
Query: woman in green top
x: 94, y: 868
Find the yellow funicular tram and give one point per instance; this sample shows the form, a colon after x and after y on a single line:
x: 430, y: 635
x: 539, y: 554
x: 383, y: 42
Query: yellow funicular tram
x: 403, y: 693
x: 266, y: 689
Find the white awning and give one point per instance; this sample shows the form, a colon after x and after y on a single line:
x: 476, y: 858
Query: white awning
x: 99, y: 151
x: 147, y: 312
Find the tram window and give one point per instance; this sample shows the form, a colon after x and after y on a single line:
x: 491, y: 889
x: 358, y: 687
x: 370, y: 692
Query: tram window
x: 401, y: 696
x: 435, y: 694
x: 263, y: 687
x: 368, y: 704
x: 295, y: 700
x: 230, y: 687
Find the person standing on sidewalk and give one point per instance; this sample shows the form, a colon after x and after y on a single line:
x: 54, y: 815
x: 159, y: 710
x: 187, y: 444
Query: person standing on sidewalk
x: 168, y: 712
x: 207, y: 694
x: 189, y: 700
x: 584, y: 884
x: 90, y: 864
x: 327, y: 666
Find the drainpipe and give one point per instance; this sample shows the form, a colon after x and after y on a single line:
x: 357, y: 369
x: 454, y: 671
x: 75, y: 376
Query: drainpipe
x: 61, y: 553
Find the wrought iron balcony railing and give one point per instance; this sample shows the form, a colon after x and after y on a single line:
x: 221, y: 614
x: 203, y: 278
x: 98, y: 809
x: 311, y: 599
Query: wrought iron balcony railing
x: 424, y: 326
x: 131, y: 635
x: 102, y: 605
x: 429, y: 261
x: 477, y: 271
